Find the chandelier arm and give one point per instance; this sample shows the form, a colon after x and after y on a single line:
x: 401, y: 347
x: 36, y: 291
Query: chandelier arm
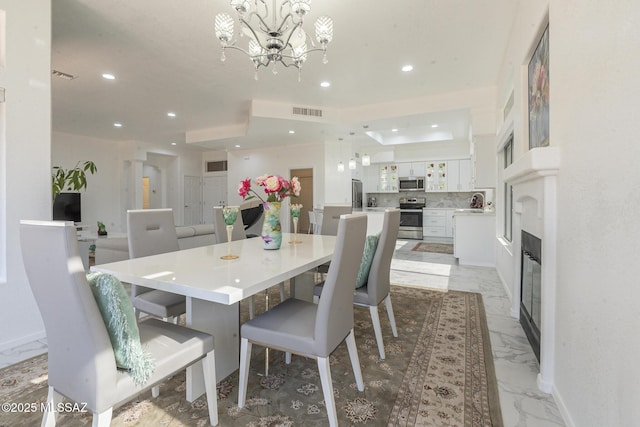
x: 297, y: 25
x: 255, y: 36
x: 316, y: 49
x: 263, y: 25
x: 284, y: 21
x: 255, y: 59
x: 293, y: 64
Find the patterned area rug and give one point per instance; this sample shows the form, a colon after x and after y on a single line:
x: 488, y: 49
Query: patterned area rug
x: 441, y: 248
x: 438, y: 372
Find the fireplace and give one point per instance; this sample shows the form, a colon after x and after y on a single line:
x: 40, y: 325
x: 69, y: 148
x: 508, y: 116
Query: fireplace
x: 530, y: 289
x: 533, y: 177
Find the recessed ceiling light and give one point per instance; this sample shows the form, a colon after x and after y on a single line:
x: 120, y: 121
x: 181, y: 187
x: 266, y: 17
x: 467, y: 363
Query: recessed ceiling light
x: 394, y: 130
x: 407, y: 68
x: 434, y: 126
x: 108, y: 76
x: 292, y: 131
x: 237, y: 145
x: 171, y: 114
x: 174, y: 143
x: 118, y: 125
x: 325, y: 84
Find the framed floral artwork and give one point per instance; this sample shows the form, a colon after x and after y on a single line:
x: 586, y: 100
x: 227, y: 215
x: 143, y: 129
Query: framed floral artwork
x: 539, y: 94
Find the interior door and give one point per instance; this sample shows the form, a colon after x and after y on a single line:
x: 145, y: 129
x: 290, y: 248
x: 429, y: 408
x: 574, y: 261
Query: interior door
x: 192, y: 213
x: 306, y: 197
x: 214, y: 193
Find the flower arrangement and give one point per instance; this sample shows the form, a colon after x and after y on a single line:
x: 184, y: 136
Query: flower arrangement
x: 295, y: 210
x: 275, y: 187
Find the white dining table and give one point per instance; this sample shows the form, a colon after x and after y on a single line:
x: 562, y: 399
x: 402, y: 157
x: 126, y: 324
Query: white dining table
x: 214, y: 286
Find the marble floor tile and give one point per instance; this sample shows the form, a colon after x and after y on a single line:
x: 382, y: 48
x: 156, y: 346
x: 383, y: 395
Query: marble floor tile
x: 23, y: 352
x: 522, y: 403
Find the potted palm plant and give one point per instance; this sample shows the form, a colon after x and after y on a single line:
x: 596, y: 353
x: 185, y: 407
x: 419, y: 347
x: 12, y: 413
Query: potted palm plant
x: 74, y: 179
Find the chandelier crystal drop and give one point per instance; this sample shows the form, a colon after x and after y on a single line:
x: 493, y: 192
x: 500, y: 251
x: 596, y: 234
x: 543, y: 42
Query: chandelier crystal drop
x: 275, y: 35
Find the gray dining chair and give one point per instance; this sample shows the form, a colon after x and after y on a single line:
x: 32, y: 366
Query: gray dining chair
x: 314, y: 330
x: 378, y: 286
x: 220, y: 229
x: 81, y: 361
x: 152, y: 232
x: 331, y: 216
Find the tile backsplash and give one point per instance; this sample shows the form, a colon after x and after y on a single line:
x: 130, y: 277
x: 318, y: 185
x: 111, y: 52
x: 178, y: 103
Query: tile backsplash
x: 457, y: 200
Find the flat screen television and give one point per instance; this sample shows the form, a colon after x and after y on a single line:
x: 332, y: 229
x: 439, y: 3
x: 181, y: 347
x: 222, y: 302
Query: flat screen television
x: 66, y: 207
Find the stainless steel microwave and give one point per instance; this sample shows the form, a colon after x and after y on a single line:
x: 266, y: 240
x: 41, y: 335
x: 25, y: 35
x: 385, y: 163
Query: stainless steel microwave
x: 412, y: 183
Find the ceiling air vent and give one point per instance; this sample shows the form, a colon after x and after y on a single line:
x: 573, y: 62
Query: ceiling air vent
x: 216, y: 166
x: 309, y: 112
x: 62, y: 75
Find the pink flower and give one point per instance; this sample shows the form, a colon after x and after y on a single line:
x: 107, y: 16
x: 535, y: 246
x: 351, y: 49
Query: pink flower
x: 272, y: 184
x: 261, y: 179
x: 244, y: 187
x: 296, y: 186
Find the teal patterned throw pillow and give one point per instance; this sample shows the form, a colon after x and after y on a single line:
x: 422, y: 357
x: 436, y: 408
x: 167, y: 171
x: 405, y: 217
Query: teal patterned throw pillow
x: 120, y: 320
x: 370, y: 245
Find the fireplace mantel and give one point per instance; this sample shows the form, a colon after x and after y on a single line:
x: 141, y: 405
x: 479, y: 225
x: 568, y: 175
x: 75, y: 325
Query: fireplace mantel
x: 534, y: 164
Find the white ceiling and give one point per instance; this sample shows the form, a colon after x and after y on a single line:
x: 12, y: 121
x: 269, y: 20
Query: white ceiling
x: 165, y: 57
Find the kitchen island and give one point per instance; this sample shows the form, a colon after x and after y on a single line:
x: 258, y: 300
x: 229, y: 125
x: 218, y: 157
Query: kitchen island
x: 474, y: 237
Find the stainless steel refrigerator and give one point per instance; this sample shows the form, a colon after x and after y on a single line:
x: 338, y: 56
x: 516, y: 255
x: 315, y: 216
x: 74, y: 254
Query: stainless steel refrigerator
x: 356, y: 193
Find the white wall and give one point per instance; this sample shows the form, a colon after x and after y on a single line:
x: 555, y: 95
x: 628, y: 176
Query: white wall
x: 25, y: 147
x: 101, y: 199
x: 595, y: 122
x: 337, y: 185
x: 117, y: 185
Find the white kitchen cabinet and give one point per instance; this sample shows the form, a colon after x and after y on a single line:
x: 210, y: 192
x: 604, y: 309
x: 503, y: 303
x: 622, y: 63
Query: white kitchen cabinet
x: 388, y: 178
x: 436, y: 176
x: 437, y: 224
x: 474, y: 239
x: 412, y: 169
x: 460, y: 175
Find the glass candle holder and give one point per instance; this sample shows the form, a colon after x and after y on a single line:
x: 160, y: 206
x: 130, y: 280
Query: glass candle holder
x: 229, y: 214
x: 295, y: 216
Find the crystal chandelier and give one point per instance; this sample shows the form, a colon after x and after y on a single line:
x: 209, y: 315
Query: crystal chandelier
x: 274, y: 36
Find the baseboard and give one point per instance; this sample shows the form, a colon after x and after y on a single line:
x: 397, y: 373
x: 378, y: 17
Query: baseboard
x: 8, y: 345
x: 564, y: 412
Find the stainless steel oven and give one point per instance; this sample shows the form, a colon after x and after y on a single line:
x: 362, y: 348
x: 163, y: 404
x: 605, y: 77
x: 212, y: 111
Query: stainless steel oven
x: 411, y: 218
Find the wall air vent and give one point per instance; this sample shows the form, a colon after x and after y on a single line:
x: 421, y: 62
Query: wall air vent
x: 309, y: 112
x: 216, y: 166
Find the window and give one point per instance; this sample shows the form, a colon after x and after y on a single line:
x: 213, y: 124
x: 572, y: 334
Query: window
x: 508, y: 191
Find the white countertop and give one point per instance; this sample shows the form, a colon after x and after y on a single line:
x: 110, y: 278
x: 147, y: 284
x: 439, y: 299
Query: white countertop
x: 473, y: 212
